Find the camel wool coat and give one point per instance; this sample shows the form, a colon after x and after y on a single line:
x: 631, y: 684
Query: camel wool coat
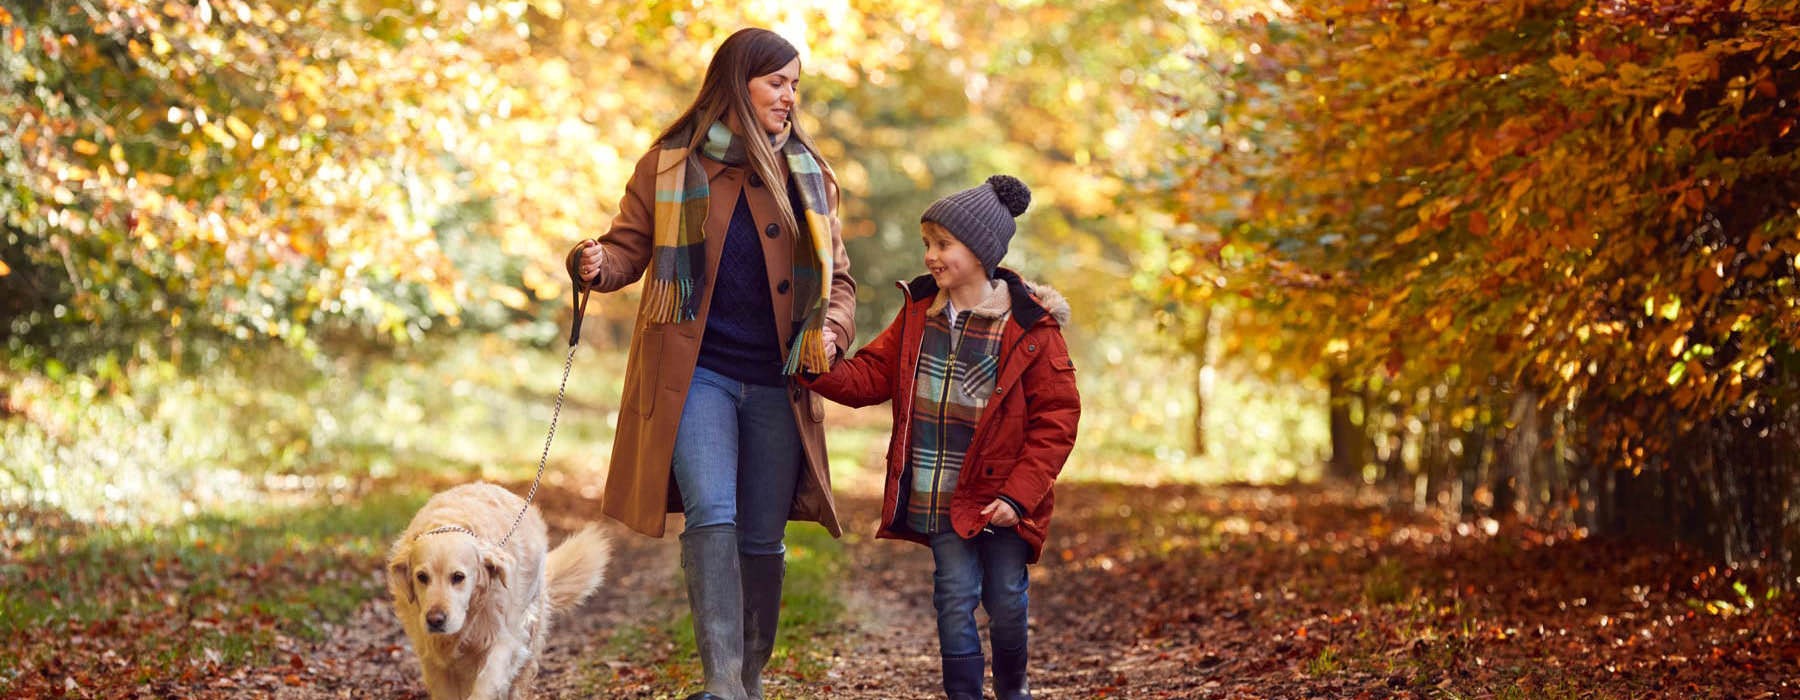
x: 640, y: 485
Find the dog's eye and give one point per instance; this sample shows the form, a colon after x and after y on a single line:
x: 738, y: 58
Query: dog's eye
x: 456, y: 579
x: 424, y: 578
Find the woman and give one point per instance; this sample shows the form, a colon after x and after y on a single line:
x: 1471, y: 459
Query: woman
x: 734, y: 215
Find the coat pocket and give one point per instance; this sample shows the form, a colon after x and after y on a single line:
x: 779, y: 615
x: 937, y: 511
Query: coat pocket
x: 995, y: 470
x: 646, y: 367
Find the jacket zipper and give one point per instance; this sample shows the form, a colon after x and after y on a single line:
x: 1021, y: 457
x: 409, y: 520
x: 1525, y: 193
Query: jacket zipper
x: 957, y: 330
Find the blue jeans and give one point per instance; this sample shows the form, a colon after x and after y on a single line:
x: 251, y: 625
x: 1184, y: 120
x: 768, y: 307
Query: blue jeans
x: 737, y: 457
x: 989, y: 570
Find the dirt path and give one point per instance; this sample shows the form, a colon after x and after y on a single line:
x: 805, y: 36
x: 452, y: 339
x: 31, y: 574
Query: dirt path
x: 1186, y: 591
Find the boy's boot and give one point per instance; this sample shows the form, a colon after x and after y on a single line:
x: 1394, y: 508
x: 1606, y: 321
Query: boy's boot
x: 962, y: 677
x: 762, y: 611
x: 709, y: 558
x: 1009, y: 674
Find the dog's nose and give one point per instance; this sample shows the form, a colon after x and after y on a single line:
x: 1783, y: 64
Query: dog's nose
x: 435, y: 620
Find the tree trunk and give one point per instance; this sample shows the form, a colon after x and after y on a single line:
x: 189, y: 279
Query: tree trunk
x: 1346, y: 437
x: 1202, y: 362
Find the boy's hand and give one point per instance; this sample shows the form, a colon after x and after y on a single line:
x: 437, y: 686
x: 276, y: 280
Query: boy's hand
x: 1000, y: 513
x: 831, y: 348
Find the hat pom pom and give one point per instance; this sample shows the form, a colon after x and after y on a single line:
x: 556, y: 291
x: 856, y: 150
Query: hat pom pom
x: 1012, y: 193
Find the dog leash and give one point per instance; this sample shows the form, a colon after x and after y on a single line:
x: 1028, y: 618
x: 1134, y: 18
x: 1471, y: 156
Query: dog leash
x: 580, y: 293
x: 581, y: 301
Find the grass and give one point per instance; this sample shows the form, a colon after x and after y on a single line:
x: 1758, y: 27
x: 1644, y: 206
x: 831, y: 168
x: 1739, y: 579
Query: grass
x: 1325, y: 663
x: 1387, y: 583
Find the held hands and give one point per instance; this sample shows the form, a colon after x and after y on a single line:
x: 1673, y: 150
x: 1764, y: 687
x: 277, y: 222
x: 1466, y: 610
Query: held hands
x: 592, y: 255
x: 831, y: 348
x: 1000, y: 513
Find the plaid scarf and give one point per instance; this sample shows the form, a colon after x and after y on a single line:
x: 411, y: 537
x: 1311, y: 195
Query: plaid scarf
x: 679, y: 258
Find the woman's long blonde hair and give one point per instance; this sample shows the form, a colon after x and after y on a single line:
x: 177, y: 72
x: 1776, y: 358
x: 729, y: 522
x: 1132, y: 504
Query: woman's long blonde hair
x: 746, y: 54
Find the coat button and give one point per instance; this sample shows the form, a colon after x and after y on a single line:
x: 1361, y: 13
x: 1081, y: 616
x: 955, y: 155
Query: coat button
x: 755, y: 180
x: 783, y: 287
x: 772, y: 230
x: 1031, y: 348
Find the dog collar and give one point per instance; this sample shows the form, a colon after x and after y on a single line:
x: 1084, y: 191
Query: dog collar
x: 448, y: 528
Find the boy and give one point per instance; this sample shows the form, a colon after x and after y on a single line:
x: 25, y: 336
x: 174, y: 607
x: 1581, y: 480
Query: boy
x: 985, y: 409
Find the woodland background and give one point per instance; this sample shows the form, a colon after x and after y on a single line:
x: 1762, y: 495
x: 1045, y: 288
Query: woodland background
x: 1441, y: 349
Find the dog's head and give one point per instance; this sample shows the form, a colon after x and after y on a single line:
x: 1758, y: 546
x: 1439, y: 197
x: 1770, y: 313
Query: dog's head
x: 441, y: 576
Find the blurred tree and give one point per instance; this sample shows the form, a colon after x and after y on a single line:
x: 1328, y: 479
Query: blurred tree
x: 1572, y: 225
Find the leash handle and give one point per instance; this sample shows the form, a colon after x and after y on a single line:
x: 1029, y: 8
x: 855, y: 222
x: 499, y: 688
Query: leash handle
x: 580, y: 292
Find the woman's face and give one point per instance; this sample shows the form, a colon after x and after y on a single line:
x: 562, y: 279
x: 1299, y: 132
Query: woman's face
x: 773, y: 97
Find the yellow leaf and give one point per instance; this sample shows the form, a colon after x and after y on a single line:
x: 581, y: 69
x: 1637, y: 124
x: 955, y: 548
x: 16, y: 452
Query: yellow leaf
x: 4, y: 270
x: 1411, y: 197
x: 239, y: 128
x: 1695, y: 64
x: 510, y: 296
x: 86, y: 147
x: 1407, y: 236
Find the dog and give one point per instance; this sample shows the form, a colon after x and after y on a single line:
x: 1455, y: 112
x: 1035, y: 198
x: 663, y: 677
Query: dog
x: 478, y: 613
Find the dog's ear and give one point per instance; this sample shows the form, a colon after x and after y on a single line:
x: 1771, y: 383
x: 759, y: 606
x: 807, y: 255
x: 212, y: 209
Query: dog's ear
x: 399, y: 570
x: 496, y: 565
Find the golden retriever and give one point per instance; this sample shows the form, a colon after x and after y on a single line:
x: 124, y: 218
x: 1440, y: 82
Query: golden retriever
x: 478, y: 613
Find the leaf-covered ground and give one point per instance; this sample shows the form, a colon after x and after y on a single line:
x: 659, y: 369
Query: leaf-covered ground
x: 1173, y: 591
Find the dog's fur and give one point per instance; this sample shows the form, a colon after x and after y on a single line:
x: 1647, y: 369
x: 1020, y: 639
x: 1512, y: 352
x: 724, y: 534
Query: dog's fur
x: 477, y: 613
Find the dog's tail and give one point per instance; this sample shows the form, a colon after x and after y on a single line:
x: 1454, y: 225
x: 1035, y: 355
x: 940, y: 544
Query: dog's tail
x: 576, y: 567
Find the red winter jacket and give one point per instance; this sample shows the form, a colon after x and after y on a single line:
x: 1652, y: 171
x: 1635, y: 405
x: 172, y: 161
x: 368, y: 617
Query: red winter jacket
x: 1024, y: 435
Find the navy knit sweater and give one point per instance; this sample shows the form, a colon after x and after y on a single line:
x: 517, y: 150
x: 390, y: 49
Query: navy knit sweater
x: 741, y: 341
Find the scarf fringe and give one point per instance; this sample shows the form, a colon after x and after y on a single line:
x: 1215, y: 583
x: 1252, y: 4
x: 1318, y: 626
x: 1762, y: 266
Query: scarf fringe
x: 808, y: 351
x: 670, y: 301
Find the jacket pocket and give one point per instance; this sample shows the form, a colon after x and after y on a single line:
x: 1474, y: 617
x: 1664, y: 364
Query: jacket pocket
x: 996, y: 470
x: 978, y: 379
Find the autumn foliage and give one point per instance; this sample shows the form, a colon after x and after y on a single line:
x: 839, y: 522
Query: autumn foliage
x: 1532, y: 243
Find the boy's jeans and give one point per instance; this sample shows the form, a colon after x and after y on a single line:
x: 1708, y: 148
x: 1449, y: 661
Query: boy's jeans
x: 737, y: 457
x: 989, y: 569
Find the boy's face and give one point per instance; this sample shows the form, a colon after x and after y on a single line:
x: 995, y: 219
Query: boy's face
x: 950, y: 262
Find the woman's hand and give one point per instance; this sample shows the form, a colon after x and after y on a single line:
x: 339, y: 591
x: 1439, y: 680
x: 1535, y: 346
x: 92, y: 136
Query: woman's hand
x: 1000, y: 513
x: 831, y: 348
x: 592, y: 255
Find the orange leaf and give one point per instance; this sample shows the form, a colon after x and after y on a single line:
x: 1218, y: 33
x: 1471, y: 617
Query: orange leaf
x: 1694, y: 199
x: 1478, y: 223
x: 1710, y: 282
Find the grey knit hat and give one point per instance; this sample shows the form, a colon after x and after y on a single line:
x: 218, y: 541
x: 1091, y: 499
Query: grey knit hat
x: 982, y: 216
